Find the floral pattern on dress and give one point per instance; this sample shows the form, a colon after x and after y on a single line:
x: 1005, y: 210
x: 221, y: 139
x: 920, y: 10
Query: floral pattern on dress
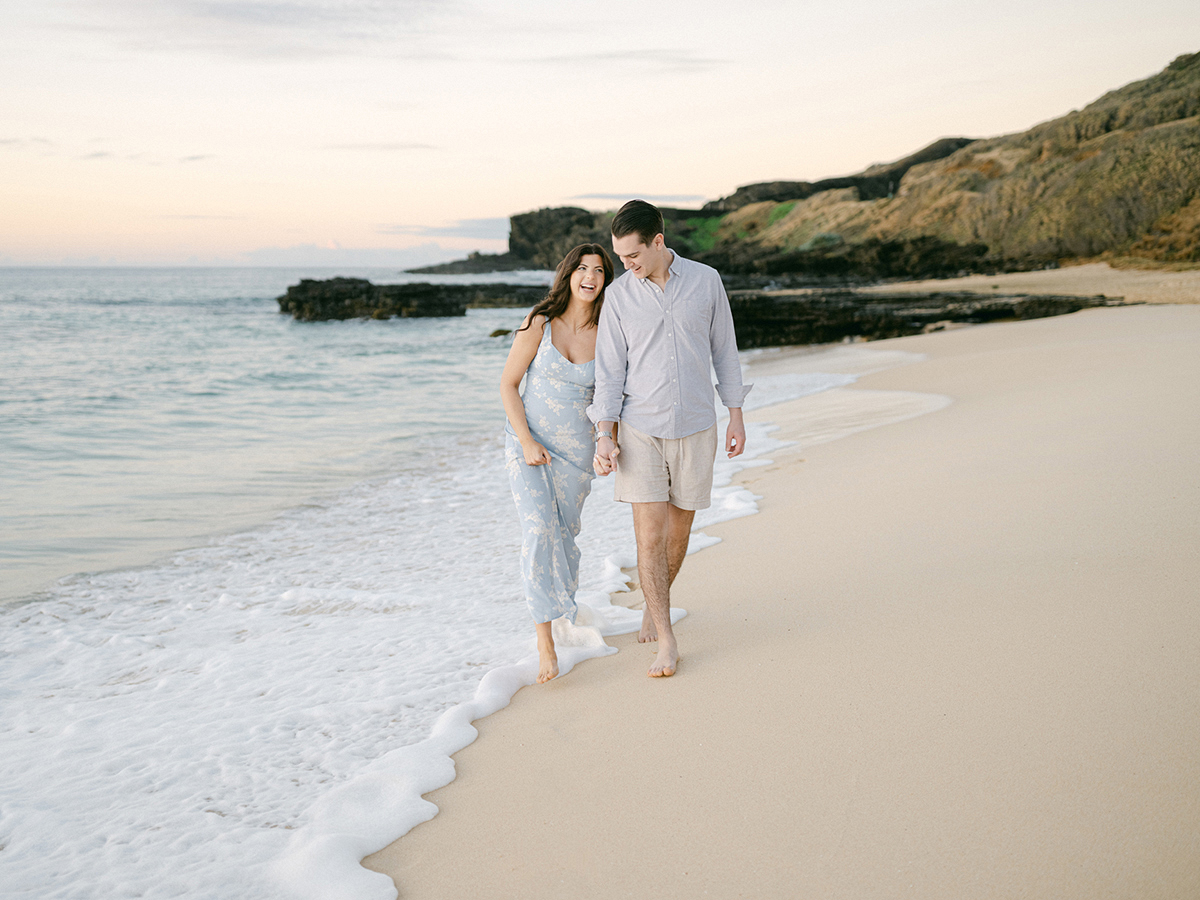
x: 549, y: 498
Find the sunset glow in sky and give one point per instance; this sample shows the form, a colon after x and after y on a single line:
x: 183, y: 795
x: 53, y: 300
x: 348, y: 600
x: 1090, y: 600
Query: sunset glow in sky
x: 396, y: 133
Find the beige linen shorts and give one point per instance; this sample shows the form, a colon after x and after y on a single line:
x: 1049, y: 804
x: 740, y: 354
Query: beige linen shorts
x: 676, y: 470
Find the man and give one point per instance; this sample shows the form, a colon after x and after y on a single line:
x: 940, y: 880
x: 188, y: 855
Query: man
x: 664, y: 323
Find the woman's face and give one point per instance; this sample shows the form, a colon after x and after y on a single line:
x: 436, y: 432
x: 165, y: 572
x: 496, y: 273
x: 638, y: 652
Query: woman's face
x: 587, y: 281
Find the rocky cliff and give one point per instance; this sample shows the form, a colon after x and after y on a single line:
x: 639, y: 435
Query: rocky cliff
x: 1120, y: 177
x: 539, y: 239
x: 873, y: 183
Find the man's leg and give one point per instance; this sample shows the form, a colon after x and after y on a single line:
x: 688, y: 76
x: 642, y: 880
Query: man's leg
x: 662, y: 533
x: 679, y: 531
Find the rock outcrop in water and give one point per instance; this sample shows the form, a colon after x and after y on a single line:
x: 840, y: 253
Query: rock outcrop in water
x: 357, y: 298
x: 763, y: 318
x: 782, y: 318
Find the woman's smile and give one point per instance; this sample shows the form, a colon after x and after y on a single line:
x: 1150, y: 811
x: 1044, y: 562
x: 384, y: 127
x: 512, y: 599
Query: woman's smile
x: 587, y: 281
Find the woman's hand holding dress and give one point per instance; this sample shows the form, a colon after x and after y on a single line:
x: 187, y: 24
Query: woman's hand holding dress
x: 535, y: 453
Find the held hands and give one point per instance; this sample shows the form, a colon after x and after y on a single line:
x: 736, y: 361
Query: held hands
x: 605, y: 459
x: 535, y: 454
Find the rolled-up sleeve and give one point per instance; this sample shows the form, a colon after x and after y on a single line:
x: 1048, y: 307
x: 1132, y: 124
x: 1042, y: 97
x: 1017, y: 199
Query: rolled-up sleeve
x: 723, y: 341
x: 611, y: 359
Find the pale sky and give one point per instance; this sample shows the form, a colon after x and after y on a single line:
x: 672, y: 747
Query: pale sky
x: 395, y: 133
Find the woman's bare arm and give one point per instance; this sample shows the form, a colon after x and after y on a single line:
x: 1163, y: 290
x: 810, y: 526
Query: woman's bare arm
x: 520, y: 355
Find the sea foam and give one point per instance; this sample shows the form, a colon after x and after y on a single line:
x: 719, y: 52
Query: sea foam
x: 250, y: 718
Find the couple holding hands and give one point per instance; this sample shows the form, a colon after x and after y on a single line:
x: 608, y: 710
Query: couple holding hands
x: 620, y: 368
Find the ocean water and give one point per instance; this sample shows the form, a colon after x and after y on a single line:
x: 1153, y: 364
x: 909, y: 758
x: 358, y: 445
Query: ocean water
x: 145, y: 410
x: 262, y: 576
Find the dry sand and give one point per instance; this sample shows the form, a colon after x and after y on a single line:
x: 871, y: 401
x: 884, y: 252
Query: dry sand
x: 952, y: 657
x: 1135, y: 285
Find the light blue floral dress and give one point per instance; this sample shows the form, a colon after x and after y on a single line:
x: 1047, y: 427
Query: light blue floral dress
x: 550, y: 498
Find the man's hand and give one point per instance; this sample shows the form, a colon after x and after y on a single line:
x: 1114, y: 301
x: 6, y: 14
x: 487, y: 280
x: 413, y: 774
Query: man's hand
x: 735, y: 434
x: 605, y: 459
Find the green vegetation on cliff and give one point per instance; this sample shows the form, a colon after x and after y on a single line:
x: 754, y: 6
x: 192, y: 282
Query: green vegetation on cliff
x: 1118, y: 178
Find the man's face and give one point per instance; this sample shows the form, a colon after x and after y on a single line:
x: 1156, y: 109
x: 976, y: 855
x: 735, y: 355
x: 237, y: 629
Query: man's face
x: 636, y: 256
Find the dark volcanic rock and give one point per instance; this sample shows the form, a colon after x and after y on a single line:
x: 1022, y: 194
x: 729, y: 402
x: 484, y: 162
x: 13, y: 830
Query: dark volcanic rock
x: 477, y: 264
x: 873, y: 183
x: 540, y: 239
x: 820, y: 317
x: 544, y: 237
x: 357, y: 298
x: 914, y: 258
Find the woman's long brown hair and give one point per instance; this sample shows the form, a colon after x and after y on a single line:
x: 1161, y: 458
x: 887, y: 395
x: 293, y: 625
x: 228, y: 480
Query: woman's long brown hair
x: 555, y: 302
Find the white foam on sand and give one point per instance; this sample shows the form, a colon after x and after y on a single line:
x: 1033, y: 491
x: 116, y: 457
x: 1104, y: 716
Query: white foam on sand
x: 322, y: 862
x: 384, y: 802
x: 251, y: 718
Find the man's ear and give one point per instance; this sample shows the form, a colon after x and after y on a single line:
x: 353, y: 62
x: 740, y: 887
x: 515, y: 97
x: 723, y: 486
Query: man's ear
x: 659, y: 241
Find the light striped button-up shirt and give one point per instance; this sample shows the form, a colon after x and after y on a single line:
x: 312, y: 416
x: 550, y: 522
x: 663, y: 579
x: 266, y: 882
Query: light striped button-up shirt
x: 656, y: 350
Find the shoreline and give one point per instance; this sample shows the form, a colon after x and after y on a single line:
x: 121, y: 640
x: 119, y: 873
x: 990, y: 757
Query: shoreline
x: 384, y: 801
x: 971, y: 704
x: 1158, y: 285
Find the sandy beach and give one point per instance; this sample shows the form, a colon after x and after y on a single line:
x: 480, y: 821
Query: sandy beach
x: 953, y: 656
x: 1135, y: 285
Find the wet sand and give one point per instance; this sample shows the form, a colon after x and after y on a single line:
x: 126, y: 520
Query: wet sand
x: 953, y: 656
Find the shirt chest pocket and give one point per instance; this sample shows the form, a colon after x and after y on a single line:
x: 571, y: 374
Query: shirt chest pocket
x: 693, y: 316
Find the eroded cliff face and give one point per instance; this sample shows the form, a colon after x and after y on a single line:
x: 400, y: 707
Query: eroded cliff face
x: 1120, y: 177
x: 543, y: 237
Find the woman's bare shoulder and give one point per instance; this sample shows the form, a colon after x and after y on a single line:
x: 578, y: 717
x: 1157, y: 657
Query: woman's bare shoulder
x: 535, y: 323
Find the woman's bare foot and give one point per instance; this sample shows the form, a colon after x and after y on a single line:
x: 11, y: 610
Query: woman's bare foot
x: 665, y: 662
x: 547, y: 658
x: 648, y: 632
x: 549, y: 664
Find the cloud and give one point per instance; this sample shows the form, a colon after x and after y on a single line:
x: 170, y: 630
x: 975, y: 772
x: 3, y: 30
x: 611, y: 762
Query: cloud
x: 99, y: 154
x: 383, y: 147
x: 197, y: 157
x: 262, y: 28
x: 663, y: 60
x: 656, y: 198
x: 25, y: 143
x: 312, y: 255
x: 481, y: 229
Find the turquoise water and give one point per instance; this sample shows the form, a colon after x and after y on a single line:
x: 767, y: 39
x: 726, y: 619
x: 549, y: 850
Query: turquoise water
x: 146, y: 410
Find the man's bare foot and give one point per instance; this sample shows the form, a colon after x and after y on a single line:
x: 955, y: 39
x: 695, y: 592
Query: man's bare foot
x: 665, y: 662
x: 648, y: 632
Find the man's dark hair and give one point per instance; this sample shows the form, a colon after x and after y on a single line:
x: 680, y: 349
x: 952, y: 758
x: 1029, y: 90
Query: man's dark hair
x: 640, y: 218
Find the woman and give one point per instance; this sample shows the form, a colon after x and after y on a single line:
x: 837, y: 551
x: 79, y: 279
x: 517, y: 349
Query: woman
x: 548, y: 441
